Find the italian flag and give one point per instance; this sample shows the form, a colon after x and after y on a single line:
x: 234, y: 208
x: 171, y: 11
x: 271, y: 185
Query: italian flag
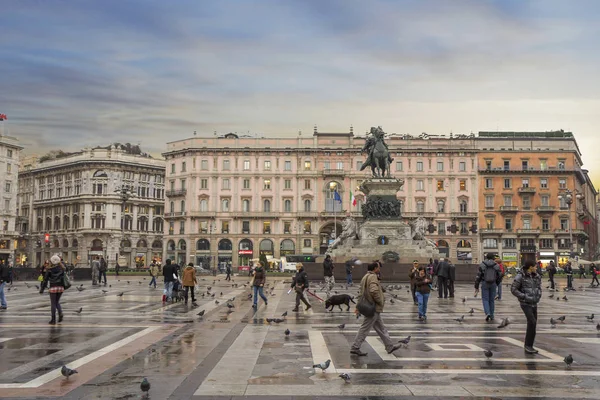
x: 352, y: 199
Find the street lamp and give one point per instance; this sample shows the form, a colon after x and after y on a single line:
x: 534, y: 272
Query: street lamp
x: 567, y: 197
x: 333, y: 189
x: 125, y: 193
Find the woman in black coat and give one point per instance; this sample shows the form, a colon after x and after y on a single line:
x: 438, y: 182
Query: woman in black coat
x: 527, y: 287
x: 54, y: 278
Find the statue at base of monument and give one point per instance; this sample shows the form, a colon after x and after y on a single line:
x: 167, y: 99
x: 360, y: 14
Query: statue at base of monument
x: 419, y: 227
x: 349, y: 232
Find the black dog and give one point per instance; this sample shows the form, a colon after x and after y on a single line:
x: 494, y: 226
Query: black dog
x: 338, y: 300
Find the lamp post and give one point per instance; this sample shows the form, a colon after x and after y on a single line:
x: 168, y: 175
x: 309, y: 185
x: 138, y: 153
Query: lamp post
x: 125, y: 194
x: 333, y: 189
x: 568, y: 198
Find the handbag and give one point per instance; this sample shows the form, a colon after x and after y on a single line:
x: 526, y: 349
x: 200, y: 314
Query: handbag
x: 364, y: 306
x: 66, y: 281
x: 40, y: 278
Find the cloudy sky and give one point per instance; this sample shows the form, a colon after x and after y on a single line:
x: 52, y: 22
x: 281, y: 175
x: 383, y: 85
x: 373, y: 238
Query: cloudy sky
x: 88, y: 72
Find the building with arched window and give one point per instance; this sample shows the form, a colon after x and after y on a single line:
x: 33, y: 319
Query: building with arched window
x: 76, y: 199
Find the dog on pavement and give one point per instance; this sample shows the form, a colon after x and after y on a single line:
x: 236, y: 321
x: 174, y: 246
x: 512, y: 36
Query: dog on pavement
x: 338, y: 300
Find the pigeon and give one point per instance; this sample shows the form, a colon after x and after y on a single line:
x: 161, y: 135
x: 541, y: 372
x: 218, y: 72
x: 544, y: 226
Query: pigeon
x: 278, y: 320
x: 202, y: 295
x: 558, y: 299
x: 79, y: 288
x: 231, y: 299
x: 120, y: 294
x: 552, y: 322
x: 201, y: 313
x: 392, y: 301
x: 561, y: 318
x: 128, y: 282
x: 221, y: 294
x: 229, y: 305
x: 79, y: 311
x: 269, y: 320
x: 287, y: 332
x: 590, y: 318
x: 212, y: 295
x: 216, y: 301
x: 323, y: 366
x: 284, y: 314
x: 104, y: 291
x: 145, y: 385
x: 405, y: 341
x: 504, y: 323
x: 565, y: 298
x: 464, y: 299
x: 37, y: 287
x: 568, y: 360
x: 345, y: 377
x: 598, y: 327
x: 461, y: 319
x: 342, y: 326
x: 551, y: 296
x: 67, y: 372
x: 139, y: 282
x: 249, y: 296
x: 488, y: 354
x: 471, y: 311
x: 208, y: 288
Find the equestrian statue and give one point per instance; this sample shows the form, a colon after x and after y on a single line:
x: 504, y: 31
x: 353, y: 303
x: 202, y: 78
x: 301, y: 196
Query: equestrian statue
x: 378, y: 155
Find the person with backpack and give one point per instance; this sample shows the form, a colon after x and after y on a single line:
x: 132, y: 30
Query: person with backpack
x: 527, y: 287
x: 594, y: 272
x: 489, y: 278
x: 502, y: 273
x: 102, y: 271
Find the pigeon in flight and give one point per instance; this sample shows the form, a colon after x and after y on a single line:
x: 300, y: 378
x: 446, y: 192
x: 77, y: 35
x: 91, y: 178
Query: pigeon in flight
x: 67, y: 372
x: 488, y: 354
x: 145, y: 385
x: 504, y: 323
x: 345, y: 377
x: 79, y: 311
x: 341, y: 326
x: 568, y: 360
x: 323, y: 366
x: 461, y: 319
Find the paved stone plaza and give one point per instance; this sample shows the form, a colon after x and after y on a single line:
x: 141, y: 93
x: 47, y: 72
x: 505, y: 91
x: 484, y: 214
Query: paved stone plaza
x: 116, y: 341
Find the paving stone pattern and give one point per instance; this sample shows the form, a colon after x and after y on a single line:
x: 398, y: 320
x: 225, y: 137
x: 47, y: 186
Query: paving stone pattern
x: 228, y: 354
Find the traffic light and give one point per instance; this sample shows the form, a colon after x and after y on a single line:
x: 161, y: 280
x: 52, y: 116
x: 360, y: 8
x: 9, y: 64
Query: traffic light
x: 431, y: 228
x: 452, y: 228
x: 46, y: 238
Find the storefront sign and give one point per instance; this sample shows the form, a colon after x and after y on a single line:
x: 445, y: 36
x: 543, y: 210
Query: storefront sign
x: 547, y: 254
x: 246, y: 252
x: 509, y: 257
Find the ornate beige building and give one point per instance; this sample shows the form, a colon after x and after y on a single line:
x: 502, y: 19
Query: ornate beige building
x: 9, y: 171
x: 101, y: 201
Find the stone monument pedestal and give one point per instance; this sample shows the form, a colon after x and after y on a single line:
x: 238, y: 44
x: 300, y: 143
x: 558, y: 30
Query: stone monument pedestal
x: 384, y: 235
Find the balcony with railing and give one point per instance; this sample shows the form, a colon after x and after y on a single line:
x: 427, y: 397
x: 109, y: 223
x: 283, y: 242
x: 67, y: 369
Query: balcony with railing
x: 509, y: 209
x: 545, y: 209
x: 529, y: 231
x: 333, y: 172
x: 308, y: 214
x: 202, y: 214
x: 491, y: 230
x: 526, y: 190
x: 463, y: 214
x: 178, y: 214
x: 176, y: 193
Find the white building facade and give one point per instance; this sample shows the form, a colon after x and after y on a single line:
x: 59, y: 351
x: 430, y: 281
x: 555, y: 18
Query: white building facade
x: 9, y: 172
x: 73, y: 204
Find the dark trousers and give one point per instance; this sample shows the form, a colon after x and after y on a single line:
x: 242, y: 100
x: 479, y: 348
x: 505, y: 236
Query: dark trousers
x: 55, y: 304
x: 531, y: 315
x: 581, y: 274
x: 442, y: 286
x: 191, y: 289
x: 413, y: 290
x: 153, y: 281
x: 100, y: 275
x: 300, y: 297
x: 595, y: 278
x: 569, y: 281
x: 552, y: 281
x: 228, y: 277
x: 450, y: 284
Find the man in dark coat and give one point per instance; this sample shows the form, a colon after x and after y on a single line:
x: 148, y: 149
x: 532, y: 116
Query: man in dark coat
x: 443, y: 274
x: 451, y: 278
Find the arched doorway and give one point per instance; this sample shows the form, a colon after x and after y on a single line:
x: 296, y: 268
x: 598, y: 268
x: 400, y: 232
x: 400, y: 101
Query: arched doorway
x: 287, y: 247
x: 245, y: 253
x: 266, y: 247
x: 140, y: 253
x: 203, y: 253
x: 463, y: 251
x: 181, y: 250
x: 327, y: 234
x: 96, y: 249
x: 225, y: 254
x: 443, y: 248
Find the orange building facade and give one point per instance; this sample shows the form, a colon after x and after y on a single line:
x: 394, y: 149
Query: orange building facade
x: 523, y: 211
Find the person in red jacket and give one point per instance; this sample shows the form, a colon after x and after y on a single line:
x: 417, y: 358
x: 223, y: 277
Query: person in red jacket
x: 502, y: 273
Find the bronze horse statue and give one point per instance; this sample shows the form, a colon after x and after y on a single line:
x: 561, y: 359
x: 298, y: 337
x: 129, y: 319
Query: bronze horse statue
x: 379, y: 157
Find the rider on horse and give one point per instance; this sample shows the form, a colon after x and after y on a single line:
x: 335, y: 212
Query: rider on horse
x: 376, y: 134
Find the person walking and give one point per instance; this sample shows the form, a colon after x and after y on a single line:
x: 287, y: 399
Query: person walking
x: 434, y: 274
x: 154, y: 271
x: 423, y: 285
x: 102, y: 271
x: 594, y: 272
x: 371, y: 290
x: 488, y: 277
x: 569, y: 272
x: 412, y: 275
x: 54, y: 278
x: 451, y: 278
x: 95, y: 270
x: 349, y: 268
x: 170, y: 276
x: 117, y: 268
x: 328, y: 275
x: 498, y: 261
x: 443, y: 274
x: 189, y: 282
x: 581, y: 271
x: 260, y: 278
x: 228, y: 271
x: 551, y: 268
x: 300, y: 284
x: 527, y: 287
x: 4, y: 279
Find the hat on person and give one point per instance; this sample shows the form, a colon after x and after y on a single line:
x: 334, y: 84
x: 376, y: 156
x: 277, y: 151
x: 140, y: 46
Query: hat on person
x: 415, y: 262
x: 55, y: 259
x: 190, y: 264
